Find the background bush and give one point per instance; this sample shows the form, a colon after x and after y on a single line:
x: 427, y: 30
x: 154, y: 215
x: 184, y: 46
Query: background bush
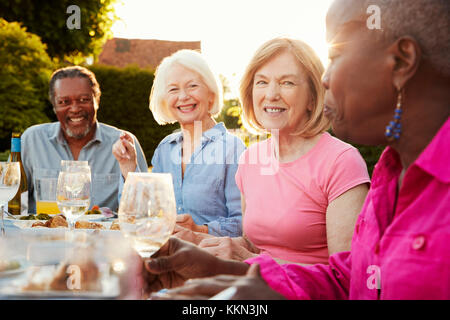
x: 124, y: 103
x: 25, y: 69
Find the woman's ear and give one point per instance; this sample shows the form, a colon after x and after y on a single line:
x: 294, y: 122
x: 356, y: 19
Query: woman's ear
x: 212, y: 97
x: 407, y: 55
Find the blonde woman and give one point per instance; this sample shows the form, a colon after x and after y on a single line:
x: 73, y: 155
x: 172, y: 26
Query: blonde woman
x: 302, y: 189
x: 202, y: 157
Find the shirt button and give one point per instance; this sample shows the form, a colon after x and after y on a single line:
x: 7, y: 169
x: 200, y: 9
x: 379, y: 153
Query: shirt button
x: 418, y: 242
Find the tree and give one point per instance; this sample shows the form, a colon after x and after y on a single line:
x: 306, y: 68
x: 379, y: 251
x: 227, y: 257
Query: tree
x: 25, y: 69
x: 51, y: 20
x: 231, y: 111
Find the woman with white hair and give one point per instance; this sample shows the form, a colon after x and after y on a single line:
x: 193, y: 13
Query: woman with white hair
x: 202, y: 157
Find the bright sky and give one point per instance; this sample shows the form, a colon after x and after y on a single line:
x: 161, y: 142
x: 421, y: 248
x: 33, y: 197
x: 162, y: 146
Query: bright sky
x: 229, y: 30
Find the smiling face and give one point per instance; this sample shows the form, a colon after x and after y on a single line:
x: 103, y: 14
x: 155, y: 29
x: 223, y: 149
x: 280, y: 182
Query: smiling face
x: 188, y: 97
x: 360, y: 96
x: 280, y: 94
x: 75, y: 107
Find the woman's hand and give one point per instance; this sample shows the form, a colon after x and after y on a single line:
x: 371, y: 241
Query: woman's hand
x: 189, y: 235
x: 178, y: 261
x: 227, y: 248
x: 125, y: 153
x: 185, y: 220
x: 249, y: 287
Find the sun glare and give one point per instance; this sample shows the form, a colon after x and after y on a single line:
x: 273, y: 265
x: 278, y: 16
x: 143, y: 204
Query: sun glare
x: 230, y: 31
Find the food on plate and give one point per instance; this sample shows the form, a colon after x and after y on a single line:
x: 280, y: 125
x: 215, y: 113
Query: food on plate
x: 88, y: 225
x: 38, y: 224
x: 9, y: 265
x: 115, y: 225
x: 87, y: 271
x: 40, y: 216
x: 94, y: 210
x: 57, y: 221
x: 77, y: 273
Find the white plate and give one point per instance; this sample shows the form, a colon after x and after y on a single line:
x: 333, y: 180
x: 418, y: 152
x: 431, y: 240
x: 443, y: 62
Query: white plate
x: 6, y: 217
x: 13, y: 272
x: 91, y: 217
x: 26, y: 224
x: 110, y: 289
x: 85, y: 217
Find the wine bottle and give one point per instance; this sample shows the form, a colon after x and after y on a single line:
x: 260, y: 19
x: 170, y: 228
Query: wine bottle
x: 14, y: 206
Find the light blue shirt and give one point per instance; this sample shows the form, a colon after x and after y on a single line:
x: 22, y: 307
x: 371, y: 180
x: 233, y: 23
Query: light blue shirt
x: 208, y: 191
x: 44, y: 146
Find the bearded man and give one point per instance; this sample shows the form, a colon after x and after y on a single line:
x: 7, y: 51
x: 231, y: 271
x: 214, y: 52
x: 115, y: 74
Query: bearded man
x: 77, y: 135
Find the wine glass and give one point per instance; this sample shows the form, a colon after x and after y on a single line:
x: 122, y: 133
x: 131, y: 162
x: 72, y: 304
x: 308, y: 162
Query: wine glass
x: 9, y: 184
x: 73, y: 194
x: 147, y: 211
x: 67, y: 165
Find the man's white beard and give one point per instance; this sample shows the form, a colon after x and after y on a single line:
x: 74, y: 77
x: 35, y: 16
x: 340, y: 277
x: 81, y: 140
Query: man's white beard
x: 80, y: 135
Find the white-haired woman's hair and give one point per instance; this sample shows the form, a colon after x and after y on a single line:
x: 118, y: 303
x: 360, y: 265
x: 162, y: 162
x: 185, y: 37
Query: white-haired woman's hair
x: 191, y: 60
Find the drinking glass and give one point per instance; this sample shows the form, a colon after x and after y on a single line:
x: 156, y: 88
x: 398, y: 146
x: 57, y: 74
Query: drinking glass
x: 73, y: 194
x: 46, y: 195
x: 147, y: 211
x: 67, y: 164
x: 9, y: 184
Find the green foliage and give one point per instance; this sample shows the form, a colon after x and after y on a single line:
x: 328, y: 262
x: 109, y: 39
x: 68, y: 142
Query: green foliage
x: 4, y: 155
x: 24, y: 73
x: 48, y: 19
x: 230, y: 114
x: 371, y: 154
x: 124, y: 104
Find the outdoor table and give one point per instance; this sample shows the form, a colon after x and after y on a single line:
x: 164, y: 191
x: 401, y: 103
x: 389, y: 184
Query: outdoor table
x: 110, y: 249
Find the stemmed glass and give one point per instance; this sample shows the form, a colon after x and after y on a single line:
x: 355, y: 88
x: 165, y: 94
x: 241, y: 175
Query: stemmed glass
x: 9, y: 184
x: 73, y: 164
x: 147, y: 211
x: 73, y: 194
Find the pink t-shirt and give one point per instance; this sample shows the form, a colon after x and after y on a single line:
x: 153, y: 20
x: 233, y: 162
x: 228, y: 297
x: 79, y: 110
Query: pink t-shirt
x: 286, y: 203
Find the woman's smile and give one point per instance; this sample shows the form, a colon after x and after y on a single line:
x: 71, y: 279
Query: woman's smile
x: 186, y: 108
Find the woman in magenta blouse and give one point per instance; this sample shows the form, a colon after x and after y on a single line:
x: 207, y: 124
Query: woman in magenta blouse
x: 383, y: 86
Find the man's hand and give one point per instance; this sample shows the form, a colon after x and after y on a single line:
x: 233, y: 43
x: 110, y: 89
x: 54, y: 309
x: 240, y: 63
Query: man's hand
x: 125, y: 153
x: 178, y: 261
x: 249, y: 287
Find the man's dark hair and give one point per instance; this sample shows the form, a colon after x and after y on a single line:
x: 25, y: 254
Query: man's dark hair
x: 74, y: 72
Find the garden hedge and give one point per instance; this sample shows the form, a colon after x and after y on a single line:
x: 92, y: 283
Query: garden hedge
x: 124, y: 103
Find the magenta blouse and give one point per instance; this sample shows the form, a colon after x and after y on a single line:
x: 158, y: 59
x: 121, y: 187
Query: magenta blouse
x: 401, y: 245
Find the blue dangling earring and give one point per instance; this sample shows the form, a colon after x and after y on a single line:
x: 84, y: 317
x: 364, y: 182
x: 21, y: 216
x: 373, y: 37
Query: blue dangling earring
x: 394, y: 128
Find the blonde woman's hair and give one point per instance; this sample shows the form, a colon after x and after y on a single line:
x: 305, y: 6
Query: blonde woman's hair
x: 191, y: 60
x: 312, y: 67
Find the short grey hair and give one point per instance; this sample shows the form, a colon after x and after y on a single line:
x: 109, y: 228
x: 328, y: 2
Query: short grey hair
x: 74, y: 72
x: 191, y: 60
x: 427, y: 21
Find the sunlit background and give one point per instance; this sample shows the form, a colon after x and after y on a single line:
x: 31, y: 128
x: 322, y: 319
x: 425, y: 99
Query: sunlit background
x: 230, y: 31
